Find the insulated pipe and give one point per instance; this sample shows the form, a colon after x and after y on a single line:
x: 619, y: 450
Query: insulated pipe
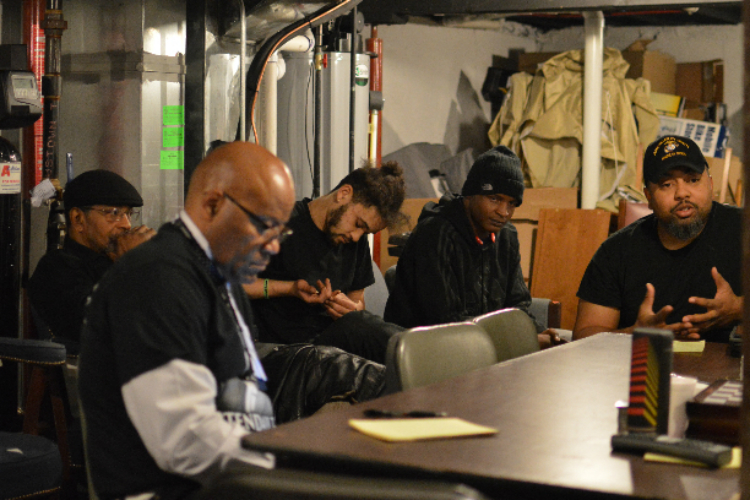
x: 270, y: 94
x: 243, y: 71
x: 302, y: 43
x: 592, y: 107
x: 269, y: 105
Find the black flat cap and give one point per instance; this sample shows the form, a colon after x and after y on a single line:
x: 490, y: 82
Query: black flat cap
x: 100, y: 187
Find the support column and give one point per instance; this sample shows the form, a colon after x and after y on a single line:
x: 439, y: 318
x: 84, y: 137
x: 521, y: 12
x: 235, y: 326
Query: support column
x: 592, y: 108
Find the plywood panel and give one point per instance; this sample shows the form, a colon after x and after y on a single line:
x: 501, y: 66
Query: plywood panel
x: 566, y: 241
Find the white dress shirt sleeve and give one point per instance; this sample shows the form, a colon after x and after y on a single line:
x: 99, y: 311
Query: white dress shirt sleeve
x: 174, y: 411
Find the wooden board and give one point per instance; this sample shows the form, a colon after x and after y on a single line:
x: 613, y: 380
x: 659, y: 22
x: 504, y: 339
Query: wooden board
x: 566, y: 241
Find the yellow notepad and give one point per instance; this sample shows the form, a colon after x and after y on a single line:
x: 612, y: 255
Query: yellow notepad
x: 688, y: 346
x: 734, y: 464
x: 413, y: 429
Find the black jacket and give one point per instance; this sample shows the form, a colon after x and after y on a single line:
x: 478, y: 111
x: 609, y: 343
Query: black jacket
x: 444, y: 274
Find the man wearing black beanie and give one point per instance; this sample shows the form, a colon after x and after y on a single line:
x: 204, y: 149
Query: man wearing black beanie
x: 462, y: 260
x: 99, y: 212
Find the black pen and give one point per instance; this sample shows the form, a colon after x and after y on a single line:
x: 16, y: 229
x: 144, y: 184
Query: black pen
x: 375, y: 413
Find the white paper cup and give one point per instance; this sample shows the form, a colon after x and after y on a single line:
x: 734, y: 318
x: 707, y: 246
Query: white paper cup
x: 682, y: 390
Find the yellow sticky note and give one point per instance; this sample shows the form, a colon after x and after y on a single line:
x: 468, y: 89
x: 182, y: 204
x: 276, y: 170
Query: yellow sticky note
x: 688, y: 346
x: 735, y: 463
x: 412, y: 429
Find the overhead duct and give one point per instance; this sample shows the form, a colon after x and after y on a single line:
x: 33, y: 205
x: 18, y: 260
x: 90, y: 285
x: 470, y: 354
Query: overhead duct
x: 260, y: 61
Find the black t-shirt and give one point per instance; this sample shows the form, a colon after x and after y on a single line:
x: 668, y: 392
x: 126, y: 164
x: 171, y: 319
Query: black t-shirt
x: 310, y: 255
x: 160, y: 302
x: 617, y: 275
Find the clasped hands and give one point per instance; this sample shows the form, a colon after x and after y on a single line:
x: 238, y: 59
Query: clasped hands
x: 335, y: 302
x: 723, y: 309
x: 126, y: 241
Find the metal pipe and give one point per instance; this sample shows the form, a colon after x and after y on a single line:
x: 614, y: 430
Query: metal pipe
x: 53, y: 26
x: 375, y: 46
x: 353, y: 89
x: 592, y: 107
x: 243, y: 71
x: 318, y: 118
x: 374, y: 137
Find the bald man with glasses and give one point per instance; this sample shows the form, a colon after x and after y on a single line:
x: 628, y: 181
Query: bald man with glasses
x: 101, y: 215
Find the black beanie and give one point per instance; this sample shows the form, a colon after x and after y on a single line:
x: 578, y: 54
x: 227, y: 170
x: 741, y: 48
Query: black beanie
x: 498, y: 171
x: 100, y: 187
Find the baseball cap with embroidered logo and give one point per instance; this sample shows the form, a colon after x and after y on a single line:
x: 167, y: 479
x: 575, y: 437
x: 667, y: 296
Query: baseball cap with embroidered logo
x: 670, y: 152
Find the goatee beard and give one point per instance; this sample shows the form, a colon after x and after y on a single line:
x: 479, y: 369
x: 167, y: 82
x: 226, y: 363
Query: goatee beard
x: 687, y: 231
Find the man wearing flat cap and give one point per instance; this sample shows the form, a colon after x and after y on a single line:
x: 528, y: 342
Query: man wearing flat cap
x: 99, y: 212
x: 462, y: 260
x: 679, y: 268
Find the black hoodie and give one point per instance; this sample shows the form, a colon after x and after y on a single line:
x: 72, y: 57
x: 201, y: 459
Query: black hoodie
x: 444, y: 274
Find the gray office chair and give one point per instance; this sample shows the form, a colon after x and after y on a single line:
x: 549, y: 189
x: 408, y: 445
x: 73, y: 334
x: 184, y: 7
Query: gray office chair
x: 547, y: 312
x: 429, y: 354
x: 512, y: 331
x: 288, y: 484
x: 376, y: 295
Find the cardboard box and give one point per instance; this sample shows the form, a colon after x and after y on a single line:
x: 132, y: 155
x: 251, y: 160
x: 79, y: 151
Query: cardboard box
x: 657, y: 67
x: 668, y: 104
x: 701, y: 81
x: 711, y: 137
x: 734, y: 178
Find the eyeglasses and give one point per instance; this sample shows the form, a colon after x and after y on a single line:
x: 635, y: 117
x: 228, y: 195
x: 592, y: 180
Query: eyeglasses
x: 265, y: 230
x: 116, y: 214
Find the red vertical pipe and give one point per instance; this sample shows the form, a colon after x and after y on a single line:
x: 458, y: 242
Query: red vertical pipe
x: 375, y: 45
x: 31, y: 156
x: 33, y: 37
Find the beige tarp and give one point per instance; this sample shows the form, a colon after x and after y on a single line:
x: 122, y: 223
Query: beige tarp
x: 542, y: 121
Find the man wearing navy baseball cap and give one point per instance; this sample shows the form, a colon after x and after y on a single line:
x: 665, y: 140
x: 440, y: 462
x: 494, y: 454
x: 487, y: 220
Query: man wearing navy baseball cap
x: 462, y: 260
x: 678, y: 268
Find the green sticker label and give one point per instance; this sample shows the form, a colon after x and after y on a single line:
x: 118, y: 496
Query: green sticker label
x: 172, y: 160
x: 173, y: 115
x: 173, y: 137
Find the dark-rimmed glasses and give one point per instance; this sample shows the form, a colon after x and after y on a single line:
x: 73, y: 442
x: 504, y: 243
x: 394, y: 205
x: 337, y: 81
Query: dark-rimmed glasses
x: 264, y: 229
x: 113, y: 215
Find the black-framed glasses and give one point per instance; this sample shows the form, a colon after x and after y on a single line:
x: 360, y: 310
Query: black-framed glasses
x: 265, y: 230
x: 115, y: 214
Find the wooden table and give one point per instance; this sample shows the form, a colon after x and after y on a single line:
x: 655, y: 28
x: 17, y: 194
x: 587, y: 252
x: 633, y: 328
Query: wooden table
x: 555, y: 411
x: 711, y: 364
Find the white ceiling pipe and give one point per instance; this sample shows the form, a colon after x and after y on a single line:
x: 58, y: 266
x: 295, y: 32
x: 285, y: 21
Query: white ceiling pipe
x: 269, y: 94
x: 592, y: 107
x: 268, y: 111
x: 302, y: 43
